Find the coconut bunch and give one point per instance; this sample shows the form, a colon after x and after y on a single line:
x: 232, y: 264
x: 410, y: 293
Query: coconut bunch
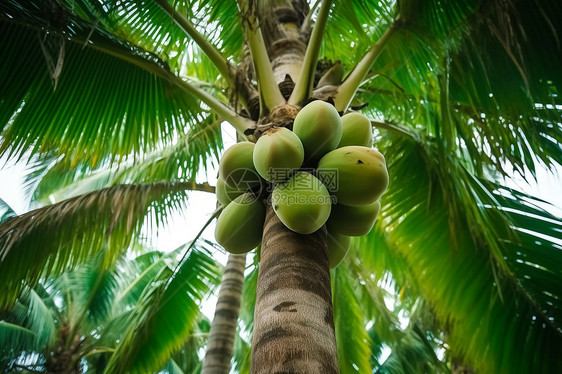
x: 322, y: 172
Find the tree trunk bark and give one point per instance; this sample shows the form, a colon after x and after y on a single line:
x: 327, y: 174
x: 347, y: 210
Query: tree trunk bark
x: 458, y: 368
x: 293, y: 320
x: 223, y: 328
x: 63, y: 359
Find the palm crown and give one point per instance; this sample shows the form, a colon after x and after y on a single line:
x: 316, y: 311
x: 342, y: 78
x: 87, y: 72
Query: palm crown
x: 121, y: 103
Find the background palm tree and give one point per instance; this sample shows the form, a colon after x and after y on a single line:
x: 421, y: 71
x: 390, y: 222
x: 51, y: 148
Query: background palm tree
x: 222, y: 333
x: 72, y: 323
x: 131, y: 94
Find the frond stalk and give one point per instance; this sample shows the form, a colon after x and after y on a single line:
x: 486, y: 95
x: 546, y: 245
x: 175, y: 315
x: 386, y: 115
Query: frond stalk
x: 303, y: 86
x: 349, y: 87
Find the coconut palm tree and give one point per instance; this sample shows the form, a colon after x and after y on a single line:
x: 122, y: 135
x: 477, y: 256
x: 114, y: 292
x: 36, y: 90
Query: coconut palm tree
x: 460, y: 94
x: 222, y: 333
x: 72, y: 322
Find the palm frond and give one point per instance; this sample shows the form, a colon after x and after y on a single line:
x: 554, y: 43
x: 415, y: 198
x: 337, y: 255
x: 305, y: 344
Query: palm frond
x: 56, y: 184
x: 248, y: 302
x: 520, y: 40
x: 467, y: 88
x: 519, y: 121
x: 69, y: 232
x: 110, y: 332
x: 533, y: 250
x: 172, y: 367
x: 188, y: 358
x: 133, y: 278
x: 433, y: 18
x: 125, y: 104
x: 39, y: 317
x: 199, y: 148
x: 241, y: 357
x: 374, y: 255
x: 465, y: 271
x: 140, y: 23
x: 447, y: 66
x: 165, y: 315
x: 220, y: 23
x: 6, y: 211
x: 28, y: 326
x: 93, y: 289
x: 412, y: 355
x: 137, y: 276
x: 360, y: 23
x: 372, y: 298
x: 148, y: 25
x: 181, y: 162
x: 14, y: 339
x: 210, y: 50
x: 384, y: 277
x: 353, y: 342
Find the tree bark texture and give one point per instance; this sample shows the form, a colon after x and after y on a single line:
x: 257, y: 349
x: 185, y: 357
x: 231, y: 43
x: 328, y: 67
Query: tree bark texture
x: 223, y: 328
x: 65, y: 358
x: 293, y: 319
x: 284, y: 41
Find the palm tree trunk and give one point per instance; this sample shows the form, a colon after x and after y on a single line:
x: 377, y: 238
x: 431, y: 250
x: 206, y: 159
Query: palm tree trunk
x: 223, y: 328
x: 64, y: 358
x: 293, y: 320
x: 458, y: 368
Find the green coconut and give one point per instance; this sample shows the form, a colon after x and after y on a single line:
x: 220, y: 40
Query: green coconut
x: 278, y: 153
x: 318, y: 125
x: 355, y: 175
x: 302, y: 203
x: 240, y: 225
x: 226, y: 194
x: 236, y: 167
x: 353, y: 220
x: 356, y: 130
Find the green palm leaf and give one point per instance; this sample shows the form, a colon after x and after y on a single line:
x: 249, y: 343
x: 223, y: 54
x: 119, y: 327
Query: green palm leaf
x: 93, y: 287
x: 28, y: 326
x: 144, y: 268
x: 446, y: 67
x: 353, y: 342
x: 165, y: 315
x: 139, y: 22
x: 524, y: 112
x: 124, y: 104
x: 488, y: 314
x: 14, y: 339
x: 372, y: 298
x: 180, y: 161
x: 38, y: 315
x: 187, y: 358
x: 6, y: 211
x: 411, y: 355
x: 248, y: 302
x: 173, y: 368
x: 109, y: 217
x: 360, y: 23
x: 224, y: 26
x: 384, y: 276
x: 131, y: 277
x: 532, y: 251
x: 198, y: 149
x: 147, y: 25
